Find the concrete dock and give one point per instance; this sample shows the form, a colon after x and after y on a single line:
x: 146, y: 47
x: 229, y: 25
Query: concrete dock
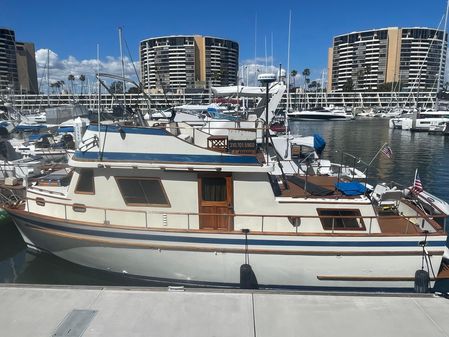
x: 117, y: 312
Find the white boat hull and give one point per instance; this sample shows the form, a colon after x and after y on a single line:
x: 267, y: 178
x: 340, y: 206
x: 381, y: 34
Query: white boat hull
x: 320, y: 116
x: 206, y: 258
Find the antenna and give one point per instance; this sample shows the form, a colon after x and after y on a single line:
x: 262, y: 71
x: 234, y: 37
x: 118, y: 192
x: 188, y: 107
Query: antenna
x: 255, y: 51
x: 123, y: 66
x: 266, y: 55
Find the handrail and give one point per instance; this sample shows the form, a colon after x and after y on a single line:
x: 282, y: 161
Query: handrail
x: 425, y: 216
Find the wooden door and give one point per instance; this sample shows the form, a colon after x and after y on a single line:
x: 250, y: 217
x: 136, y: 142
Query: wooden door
x: 215, y: 201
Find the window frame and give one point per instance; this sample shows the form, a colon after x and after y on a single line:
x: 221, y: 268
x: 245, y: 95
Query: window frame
x: 357, y: 216
x: 204, y: 185
x: 79, y: 179
x: 159, y: 180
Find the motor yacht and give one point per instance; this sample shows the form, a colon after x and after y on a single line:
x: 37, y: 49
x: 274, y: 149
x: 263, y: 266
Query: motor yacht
x: 174, y: 204
x: 321, y: 113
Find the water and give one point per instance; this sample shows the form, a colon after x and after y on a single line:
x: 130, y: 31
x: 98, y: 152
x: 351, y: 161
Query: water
x: 361, y: 138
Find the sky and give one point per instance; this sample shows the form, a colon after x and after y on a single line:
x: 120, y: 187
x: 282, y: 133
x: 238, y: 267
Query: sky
x: 71, y: 30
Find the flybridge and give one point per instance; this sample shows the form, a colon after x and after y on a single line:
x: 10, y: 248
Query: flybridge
x: 156, y: 147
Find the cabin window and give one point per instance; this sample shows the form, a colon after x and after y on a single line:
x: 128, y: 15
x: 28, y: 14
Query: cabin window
x: 142, y: 192
x: 85, y: 184
x: 213, y: 189
x: 341, y: 219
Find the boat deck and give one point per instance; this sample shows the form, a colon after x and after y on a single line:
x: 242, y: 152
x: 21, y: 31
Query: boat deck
x: 397, y: 225
x: 390, y: 222
x: 302, y: 186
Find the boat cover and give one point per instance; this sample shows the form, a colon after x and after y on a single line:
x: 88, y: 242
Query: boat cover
x: 30, y: 127
x: 318, y: 143
x: 351, y: 188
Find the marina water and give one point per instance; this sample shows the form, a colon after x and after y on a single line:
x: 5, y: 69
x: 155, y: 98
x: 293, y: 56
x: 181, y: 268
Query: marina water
x: 352, y: 142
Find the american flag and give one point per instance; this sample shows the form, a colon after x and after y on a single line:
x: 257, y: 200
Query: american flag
x: 386, y: 150
x: 417, y: 185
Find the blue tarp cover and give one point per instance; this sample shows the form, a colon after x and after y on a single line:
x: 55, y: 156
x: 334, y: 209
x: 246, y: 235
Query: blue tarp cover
x: 318, y: 143
x: 214, y: 113
x: 352, y: 188
x: 63, y: 129
x: 30, y: 128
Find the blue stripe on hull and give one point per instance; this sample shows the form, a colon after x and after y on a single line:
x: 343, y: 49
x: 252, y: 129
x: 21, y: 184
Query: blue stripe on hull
x: 226, y: 241
x: 167, y: 157
x: 129, y: 130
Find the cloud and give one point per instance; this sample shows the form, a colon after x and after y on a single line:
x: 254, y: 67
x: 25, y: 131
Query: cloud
x: 60, y: 69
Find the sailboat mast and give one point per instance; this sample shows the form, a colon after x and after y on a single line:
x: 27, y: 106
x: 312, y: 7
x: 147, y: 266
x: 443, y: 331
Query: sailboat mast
x: 99, y: 95
x: 123, y: 66
x: 255, y: 51
x: 442, y: 47
x: 288, y: 64
x: 48, y: 77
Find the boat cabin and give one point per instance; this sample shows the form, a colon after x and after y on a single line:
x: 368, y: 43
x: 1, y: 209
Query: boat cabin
x: 155, y: 178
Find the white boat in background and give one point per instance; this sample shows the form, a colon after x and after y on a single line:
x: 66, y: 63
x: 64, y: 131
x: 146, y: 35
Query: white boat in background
x: 15, y: 165
x: 421, y: 121
x: 188, y: 207
x: 322, y: 113
x: 396, y: 112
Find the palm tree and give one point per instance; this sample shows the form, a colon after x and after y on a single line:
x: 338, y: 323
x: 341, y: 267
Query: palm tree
x: 71, y: 78
x: 293, y: 74
x: 82, y: 78
x: 53, y: 85
x: 306, y: 74
x: 61, y: 86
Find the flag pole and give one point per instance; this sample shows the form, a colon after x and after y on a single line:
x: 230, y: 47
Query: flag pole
x: 375, y: 156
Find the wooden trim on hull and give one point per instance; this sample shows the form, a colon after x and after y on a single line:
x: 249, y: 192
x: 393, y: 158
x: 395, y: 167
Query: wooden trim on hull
x: 119, y: 243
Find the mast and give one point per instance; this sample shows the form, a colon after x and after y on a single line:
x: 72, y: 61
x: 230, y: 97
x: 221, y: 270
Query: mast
x: 123, y: 66
x: 288, y: 66
x: 99, y: 95
x: 442, y: 47
x: 48, y: 77
x: 255, y: 51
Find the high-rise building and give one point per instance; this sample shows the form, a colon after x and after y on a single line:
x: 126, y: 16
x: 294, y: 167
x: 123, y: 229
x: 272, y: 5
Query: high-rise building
x: 406, y: 58
x: 26, y: 67
x: 9, y: 79
x: 188, y: 61
x: 17, y: 64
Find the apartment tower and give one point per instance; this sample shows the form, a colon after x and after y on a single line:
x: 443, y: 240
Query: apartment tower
x: 406, y: 58
x: 9, y: 78
x: 18, y: 72
x: 188, y: 61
